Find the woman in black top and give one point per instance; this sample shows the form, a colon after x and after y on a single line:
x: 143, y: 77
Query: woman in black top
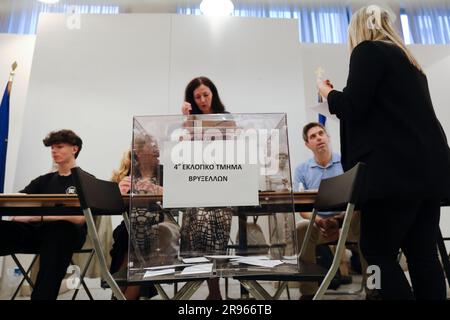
x: 387, y: 121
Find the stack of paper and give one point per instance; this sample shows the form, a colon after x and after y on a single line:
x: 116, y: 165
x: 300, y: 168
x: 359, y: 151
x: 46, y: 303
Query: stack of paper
x: 259, y: 261
x: 222, y: 257
x: 155, y: 273
x: 180, y: 265
x: 195, y: 260
x: 198, y: 268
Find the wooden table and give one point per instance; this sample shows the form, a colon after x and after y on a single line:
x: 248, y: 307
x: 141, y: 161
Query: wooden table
x: 61, y: 204
x: 57, y: 204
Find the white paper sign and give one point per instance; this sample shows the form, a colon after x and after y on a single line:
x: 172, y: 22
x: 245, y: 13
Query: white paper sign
x: 209, y: 174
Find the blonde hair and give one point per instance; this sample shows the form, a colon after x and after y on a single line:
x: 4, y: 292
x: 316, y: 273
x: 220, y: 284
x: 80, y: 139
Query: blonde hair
x: 124, y: 168
x: 375, y: 23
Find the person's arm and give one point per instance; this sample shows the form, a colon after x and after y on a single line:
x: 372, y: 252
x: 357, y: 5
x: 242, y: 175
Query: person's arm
x: 34, y: 187
x: 147, y: 186
x: 306, y: 215
x: 186, y: 108
x: 31, y: 188
x: 125, y: 185
x: 28, y: 219
x: 299, y: 177
x: 366, y: 70
x: 73, y: 219
x: 328, y: 227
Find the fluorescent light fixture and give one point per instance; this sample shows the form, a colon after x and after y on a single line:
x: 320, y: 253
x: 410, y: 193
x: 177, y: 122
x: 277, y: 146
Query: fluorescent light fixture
x: 49, y: 1
x: 216, y: 7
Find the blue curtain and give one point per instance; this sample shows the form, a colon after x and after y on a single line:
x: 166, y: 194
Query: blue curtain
x: 317, y: 24
x: 24, y: 15
x: 428, y: 24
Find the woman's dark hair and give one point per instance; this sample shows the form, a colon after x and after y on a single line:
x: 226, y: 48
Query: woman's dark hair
x: 64, y: 136
x: 216, y: 104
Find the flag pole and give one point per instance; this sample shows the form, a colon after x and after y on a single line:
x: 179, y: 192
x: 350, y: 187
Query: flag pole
x: 11, y: 76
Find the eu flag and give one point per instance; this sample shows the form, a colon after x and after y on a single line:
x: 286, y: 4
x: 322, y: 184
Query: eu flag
x: 4, y: 128
x: 322, y: 119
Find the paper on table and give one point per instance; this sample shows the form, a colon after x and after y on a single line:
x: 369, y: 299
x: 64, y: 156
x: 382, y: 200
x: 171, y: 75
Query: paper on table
x: 290, y: 259
x: 261, y: 263
x: 322, y: 108
x: 195, y: 260
x: 252, y: 258
x: 169, y: 266
x: 198, y: 268
x: 158, y: 272
x: 223, y: 256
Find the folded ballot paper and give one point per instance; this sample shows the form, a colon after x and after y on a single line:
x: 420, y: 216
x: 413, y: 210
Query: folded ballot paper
x: 322, y: 108
x: 195, y: 260
x: 260, y: 261
x: 155, y: 273
x: 198, y: 268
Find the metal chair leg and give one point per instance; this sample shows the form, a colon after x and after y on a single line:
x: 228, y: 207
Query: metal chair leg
x: 25, y: 274
x: 82, y: 275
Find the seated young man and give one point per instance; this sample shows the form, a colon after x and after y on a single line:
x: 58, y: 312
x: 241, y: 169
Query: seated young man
x: 54, y: 238
x: 323, y: 165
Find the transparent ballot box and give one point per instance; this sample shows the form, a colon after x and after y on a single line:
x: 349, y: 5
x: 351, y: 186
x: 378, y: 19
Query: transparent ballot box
x: 211, y: 196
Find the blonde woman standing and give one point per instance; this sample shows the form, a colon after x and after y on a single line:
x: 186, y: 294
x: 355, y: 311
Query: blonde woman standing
x: 387, y: 120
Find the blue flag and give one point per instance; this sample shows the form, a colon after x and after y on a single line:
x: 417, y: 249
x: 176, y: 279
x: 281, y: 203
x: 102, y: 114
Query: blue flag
x: 4, y: 128
x: 322, y: 119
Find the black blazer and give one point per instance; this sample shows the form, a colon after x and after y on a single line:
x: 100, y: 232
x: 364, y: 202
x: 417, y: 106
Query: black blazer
x: 387, y: 120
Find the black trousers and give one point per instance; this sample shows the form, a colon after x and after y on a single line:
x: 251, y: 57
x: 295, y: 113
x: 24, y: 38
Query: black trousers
x: 412, y: 225
x: 54, y: 241
x: 119, y: 253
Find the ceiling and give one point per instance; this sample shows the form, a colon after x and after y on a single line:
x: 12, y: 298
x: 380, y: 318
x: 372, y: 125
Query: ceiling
x: 169, y: 6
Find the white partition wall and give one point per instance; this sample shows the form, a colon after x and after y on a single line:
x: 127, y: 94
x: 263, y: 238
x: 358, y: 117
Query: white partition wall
x: 94, y: 79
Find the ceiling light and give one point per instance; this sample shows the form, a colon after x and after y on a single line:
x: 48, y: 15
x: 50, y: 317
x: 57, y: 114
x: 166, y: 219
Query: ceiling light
x: 49, y: 1
x: 216, y: 7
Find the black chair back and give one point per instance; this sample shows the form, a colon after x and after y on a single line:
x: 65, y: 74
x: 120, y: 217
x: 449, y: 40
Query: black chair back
x: 335, y: 193
x: 103, y: 197
x: 98, y: 195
